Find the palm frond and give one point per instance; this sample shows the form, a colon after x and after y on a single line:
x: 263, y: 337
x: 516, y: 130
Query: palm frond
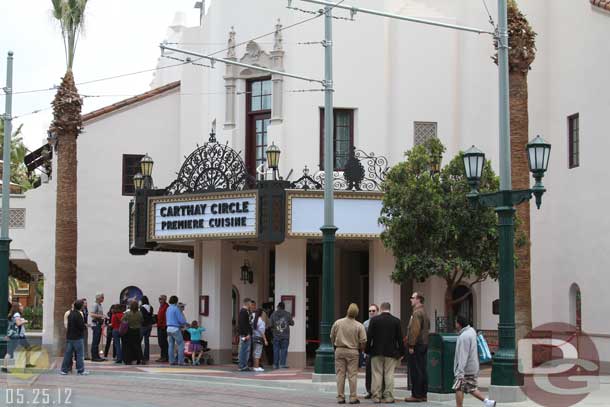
x: 71, y: 17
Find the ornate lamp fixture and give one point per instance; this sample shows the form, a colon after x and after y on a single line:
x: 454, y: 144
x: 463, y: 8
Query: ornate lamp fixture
x: 247, y: 275
x: 273, y: 158
x: 138, y: 181
x: 435, y: 165
x: 474, y: 161
x: 146, y: 166
x: 538, y: 153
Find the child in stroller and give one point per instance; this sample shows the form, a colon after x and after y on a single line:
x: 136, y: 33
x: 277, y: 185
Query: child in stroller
x: 194, y: 346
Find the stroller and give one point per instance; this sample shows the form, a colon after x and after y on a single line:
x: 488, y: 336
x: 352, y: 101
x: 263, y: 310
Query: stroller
x: 204, y: 359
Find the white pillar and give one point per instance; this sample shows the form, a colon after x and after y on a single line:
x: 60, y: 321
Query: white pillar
x: 216, y: 283
x: 186, y: 289
x: 290, y: 279
x: 381, y: 287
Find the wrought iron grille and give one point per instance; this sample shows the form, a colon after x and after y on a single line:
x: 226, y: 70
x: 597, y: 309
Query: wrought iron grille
x: 363, y: 172
x: 423, y: 131
x: 211, y: 167
x: 16, y: 218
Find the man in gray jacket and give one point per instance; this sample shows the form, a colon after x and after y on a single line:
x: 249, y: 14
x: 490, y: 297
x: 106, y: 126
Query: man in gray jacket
x: 466, y: 364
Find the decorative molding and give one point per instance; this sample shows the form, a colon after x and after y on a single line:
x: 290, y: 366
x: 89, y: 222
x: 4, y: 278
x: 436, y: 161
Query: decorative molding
x: 603, y: 4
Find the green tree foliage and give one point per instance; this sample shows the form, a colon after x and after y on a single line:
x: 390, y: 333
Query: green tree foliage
x: 19, y: 172
x: 432, y: 229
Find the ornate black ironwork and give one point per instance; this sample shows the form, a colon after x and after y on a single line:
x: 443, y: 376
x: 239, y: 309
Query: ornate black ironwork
x: 354, y: 171
x: 212, y: 167
x: 306, y: 182
x: 363, y: 172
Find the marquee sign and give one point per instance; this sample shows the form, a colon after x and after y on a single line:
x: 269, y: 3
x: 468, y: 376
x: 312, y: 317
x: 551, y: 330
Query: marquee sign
x: 356, y: 214
x: 203, y: 216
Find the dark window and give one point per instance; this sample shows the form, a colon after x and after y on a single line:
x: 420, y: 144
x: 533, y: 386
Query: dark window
x: 573, y: 141
x: 343, y: 137
x: 258, y: 108
x: 131, y: 166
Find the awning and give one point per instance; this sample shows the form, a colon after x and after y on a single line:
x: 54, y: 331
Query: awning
x: 22, y: 268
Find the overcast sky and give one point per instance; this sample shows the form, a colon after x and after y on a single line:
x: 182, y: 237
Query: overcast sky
x: 121, y: 36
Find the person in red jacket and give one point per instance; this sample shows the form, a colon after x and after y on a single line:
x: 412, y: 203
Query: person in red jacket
x: 162, y: 328
x: 115, y: 322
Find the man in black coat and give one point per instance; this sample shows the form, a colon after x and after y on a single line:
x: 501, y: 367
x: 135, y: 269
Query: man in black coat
x: 74, y: 340
x: 245, y: 334
x: 386, y: 349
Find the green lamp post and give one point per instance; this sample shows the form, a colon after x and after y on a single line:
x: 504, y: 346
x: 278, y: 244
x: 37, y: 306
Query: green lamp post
x: 504, y: 367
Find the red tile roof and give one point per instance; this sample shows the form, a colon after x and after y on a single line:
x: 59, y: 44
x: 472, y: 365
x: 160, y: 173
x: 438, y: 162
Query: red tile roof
x: 132, y: 100
x: 605, y: 4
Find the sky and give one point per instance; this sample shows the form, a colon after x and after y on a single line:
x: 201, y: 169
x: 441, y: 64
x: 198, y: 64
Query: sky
x: 121, y: 36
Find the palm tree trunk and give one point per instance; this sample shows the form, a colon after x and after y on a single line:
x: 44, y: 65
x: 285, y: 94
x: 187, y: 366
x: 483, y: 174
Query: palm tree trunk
x: 519, y: 122
x: 66, y: 126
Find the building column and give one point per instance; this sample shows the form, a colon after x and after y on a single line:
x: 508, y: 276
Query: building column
x: 381, y: 287
x: 290, y: 279
x: 187, y: 288
x: 216, y: 284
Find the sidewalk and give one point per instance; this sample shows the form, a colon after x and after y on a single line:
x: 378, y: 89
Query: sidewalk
x: 300, y: 380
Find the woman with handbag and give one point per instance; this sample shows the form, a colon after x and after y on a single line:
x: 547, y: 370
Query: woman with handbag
x: 115, y: 323
x: 131, y: 340
x: 258, y: 338
x: 15, y: 334
x: 147, y: 322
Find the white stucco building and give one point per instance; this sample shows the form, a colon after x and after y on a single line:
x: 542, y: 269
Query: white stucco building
x: 395, y: 82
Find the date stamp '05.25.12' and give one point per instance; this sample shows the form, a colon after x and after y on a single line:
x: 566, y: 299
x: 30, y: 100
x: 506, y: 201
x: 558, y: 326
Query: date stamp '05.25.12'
x: 31, y: 396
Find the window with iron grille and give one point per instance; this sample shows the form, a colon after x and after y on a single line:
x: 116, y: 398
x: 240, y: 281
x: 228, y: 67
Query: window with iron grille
x: 423, y: 131
x: 16, y: 218
x: 573, y: 141
x: 131, y: 166
x: 343, y: 120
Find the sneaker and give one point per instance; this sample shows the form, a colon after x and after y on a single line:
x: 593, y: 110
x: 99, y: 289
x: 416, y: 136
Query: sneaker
x: 84, y: 373
x: 61, y: 372
x: 285, y: 367
x: 244, y: 369
x: 276, y: 367
x: 259, y: 369
x: 489, y: 403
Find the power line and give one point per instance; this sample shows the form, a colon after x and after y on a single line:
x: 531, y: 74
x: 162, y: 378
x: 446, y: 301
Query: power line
x: 491, y: 19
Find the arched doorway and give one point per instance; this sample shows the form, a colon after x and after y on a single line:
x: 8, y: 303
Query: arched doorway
x: 466, y: 307
x: 575, y: 307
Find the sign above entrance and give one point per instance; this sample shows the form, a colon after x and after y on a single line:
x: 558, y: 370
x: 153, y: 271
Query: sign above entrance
x: 356, y: 214
x: 203, y: 216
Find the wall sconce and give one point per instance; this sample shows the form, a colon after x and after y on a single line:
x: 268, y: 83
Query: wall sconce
x: 247, y: 274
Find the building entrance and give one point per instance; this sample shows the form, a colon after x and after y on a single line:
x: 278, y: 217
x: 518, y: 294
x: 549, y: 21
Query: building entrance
x: 351, y: 285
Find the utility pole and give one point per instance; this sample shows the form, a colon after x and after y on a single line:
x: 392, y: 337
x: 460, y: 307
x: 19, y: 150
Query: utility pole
x: 325, y: 355
x: 5, y: 241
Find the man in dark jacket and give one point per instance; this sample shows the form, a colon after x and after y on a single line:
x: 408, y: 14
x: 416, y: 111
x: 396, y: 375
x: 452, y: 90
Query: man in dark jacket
x: 417, y: 341
x: 74, y: 340
x: 281, y: 321
x: 386, y: 349
x: 245, y: 334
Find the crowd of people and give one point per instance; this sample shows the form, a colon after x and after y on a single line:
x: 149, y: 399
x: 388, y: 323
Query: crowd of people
x: 257, y: 330
x: 381, y: 339
x: 128, y: 331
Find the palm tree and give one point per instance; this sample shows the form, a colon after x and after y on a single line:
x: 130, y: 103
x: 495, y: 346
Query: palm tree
x: 65, y: 127
x: 522, y: 53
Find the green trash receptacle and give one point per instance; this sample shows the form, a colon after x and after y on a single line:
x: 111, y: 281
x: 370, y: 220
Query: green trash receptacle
x: 441, y: 352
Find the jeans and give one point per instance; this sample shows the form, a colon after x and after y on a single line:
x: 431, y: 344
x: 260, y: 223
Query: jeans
x: 162, y: 340
x: 244, y: 351
x: 280, y: 351
x: 116, y: 338
x: 145, y: 334
x: 74, y: 346
x: 95, y: 342
x: 418, y: 377
x: 109, y: 338
x: 175, y: 340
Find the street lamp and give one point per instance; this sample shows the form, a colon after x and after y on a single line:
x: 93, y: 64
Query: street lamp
x: 504, y: 367
x: 435, y: 164
x: 538, y: 153
x: 146, y: 165
x: 273, y: 158
x: 138, y: 181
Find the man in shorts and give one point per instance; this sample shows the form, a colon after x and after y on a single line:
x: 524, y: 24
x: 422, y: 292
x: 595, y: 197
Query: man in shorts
x: 466, y: 364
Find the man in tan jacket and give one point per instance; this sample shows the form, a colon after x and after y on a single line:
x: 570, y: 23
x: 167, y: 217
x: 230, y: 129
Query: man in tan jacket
x: 417, y: 343
x: 348, y: 336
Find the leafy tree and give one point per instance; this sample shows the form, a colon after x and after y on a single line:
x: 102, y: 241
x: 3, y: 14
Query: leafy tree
x: 19, y: 172
x: 432, y: 229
